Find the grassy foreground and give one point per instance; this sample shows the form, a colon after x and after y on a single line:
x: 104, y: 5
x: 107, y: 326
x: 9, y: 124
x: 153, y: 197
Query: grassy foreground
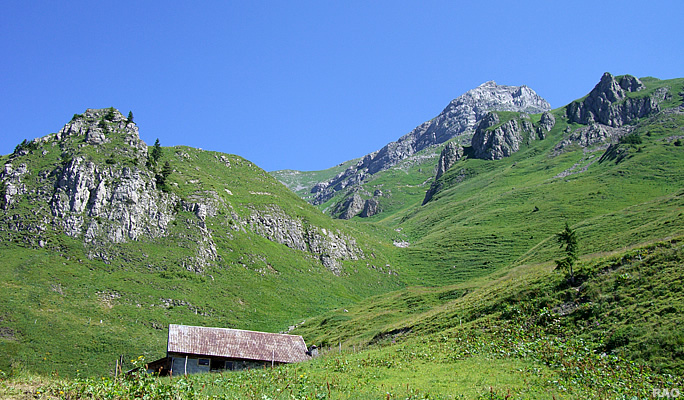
x: 527, y: 334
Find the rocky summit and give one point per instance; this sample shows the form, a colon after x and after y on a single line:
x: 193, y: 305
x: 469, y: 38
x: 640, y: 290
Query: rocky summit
x: 95, y: 181
x: 460, y: 117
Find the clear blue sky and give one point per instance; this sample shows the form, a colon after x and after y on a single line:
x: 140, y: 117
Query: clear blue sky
x: 309, y: 84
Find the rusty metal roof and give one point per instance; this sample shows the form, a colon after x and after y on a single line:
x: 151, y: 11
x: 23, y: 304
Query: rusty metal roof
x: 236, y: 343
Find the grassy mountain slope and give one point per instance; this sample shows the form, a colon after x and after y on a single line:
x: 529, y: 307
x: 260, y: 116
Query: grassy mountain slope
x: 494, y: 213
x: 624, y: 303
x: 397, y: 188
x: 524, y: 334
x: 122, y: 303
x: 475, y: 290
x: 301, y: 182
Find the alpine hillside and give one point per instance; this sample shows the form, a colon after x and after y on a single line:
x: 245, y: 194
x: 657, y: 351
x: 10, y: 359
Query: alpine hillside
x: 503, y: 249
x: 112, y: 240
x: 458, y: 119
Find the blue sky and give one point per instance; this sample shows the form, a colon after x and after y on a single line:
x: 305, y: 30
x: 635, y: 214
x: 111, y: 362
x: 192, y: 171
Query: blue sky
x: 309, y: 84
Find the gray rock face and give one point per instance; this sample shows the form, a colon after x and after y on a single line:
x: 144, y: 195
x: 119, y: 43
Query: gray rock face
x: 351, y: 207
x: 592, y: 135
x: 458, y: 118
x: 13, y: 185
x: 370, y: 208
x: 102, y: 191
x: 494, y: 141
x: 101, y: 203
x: 123, y: 204
x: 546, y: 123
x: 331, y: 248
x: 608, y: 103
x: 355, y: 205
x: 451, y: 153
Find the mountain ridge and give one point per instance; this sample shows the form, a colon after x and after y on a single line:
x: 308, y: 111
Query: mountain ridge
x: 606, y: 111
x: 458, y: 117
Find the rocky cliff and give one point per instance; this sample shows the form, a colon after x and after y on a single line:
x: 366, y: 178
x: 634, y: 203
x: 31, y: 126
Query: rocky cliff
x: 95, y: 182
x: 609, y: 102
x: 450, y: 154
x: 100, y: 201
x: 604, y: 116
x: 458, y: 118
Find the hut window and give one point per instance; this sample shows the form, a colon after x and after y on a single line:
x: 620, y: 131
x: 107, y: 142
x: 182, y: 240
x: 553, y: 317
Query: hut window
x: 203, y: 361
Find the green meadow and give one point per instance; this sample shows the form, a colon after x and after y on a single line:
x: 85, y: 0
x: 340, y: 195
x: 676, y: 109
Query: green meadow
x: 473, y: 308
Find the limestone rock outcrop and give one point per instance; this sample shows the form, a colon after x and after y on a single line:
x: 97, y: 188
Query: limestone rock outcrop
x: 351, y: 207
x: 331, y: 248
x: 494, y: 140
x: 451, y: 153
x: 370, y: 207
x: 458, y: 118
x: 100, y: 187
x: 608, y: 103
x: 546, y: 123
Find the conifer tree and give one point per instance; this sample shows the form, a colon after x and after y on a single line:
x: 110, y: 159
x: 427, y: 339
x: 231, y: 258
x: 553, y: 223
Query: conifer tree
x: 166, y: 170
x: 568, y: 239
x: 156, y: 152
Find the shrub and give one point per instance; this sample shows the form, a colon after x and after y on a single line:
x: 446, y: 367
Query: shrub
x: 632, y: 138
x: 109, y: 116
x: 568, y: 239
x: 25, y: 145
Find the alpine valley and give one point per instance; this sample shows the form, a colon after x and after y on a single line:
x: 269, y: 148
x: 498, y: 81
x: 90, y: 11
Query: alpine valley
x: 430, y: 268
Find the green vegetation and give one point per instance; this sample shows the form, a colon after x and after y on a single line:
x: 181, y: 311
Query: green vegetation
x: 481, y: 304
x: 301, y: 182
x: 156, y: 152
x: 25, y: 146
x: 122, y: 305
x: 568, y: 239
x: 524, y: 335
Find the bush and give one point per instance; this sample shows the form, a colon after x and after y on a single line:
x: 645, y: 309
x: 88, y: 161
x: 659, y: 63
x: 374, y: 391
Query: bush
x: 632, y: 138
x: 25, y: 145
x: 109, y: 116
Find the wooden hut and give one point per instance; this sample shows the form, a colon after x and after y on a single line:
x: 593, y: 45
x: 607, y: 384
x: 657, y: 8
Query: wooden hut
x: 193, y: 349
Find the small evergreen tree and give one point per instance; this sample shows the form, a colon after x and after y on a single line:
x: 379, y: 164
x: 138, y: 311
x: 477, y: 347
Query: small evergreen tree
x: 632, y: 138
x: 21, y: 146
x: 161, y: 177
x: 161, y: 181
x: 568, y: 239
x: 109, y: 116
x: 130, y: 117
x: 156, y: 152
x: 166, y: 170
x: 3, y: 194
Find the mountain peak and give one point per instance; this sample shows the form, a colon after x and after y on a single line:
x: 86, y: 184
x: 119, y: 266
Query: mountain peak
x: 495, y: 97
x: 459, y: 117
x: 608, y: 103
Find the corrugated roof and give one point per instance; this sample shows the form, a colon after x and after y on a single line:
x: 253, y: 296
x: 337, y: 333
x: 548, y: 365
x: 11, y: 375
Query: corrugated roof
x: 236, y: 343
